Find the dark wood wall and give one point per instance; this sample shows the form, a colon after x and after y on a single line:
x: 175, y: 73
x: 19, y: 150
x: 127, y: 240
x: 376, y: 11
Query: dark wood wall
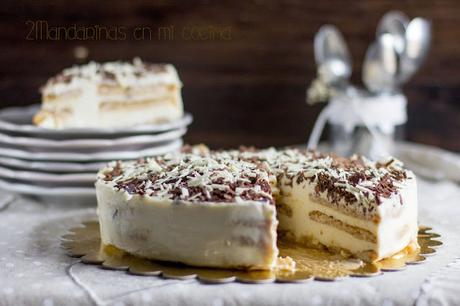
x: 245, y: 76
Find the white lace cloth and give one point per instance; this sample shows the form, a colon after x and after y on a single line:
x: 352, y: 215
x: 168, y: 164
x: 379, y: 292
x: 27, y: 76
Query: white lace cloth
x: 34, y: 270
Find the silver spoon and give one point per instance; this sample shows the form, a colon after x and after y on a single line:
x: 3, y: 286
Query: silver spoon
x: 418, y: 39
x: 332, y: 56
x: 395, y: 23
x: 381, y: 65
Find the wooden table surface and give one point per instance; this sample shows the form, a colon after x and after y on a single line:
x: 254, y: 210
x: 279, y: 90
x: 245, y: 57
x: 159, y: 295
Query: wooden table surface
x: 245, y: 64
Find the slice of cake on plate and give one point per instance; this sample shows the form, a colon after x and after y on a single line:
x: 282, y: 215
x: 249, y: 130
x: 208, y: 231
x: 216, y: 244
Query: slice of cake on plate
x: 113, y: 94
x: 221, y: 209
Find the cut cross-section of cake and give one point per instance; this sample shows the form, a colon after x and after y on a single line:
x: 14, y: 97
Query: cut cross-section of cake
x: 113, y: 94
x: 191, y: 209
x: 218, y: 209
x: 352, y: 206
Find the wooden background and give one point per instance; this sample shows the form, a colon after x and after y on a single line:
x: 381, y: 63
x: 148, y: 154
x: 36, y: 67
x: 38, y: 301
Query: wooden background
x: 245, y: 76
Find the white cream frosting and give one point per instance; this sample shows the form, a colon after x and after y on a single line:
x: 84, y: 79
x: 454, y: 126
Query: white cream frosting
x: 202, y: 234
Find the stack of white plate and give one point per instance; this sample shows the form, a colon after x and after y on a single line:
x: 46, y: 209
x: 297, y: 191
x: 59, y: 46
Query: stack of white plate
x: 61, y: 165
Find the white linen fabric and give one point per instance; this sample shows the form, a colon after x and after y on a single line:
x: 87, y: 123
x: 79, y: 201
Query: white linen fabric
x: 34, y: 269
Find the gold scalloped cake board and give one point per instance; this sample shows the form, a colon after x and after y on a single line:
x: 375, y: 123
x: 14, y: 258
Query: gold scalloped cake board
x: 311, y: 264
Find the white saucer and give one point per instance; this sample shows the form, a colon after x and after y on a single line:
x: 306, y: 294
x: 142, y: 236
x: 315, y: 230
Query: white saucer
x: 40, y: 178
x: 53, y: 167
x: 91, y: 157
x: 93, y: 144
x: 60, y: 195
x: 17, y: 120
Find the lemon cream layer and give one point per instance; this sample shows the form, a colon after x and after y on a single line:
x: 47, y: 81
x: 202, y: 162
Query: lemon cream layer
x: 114, y: 94
x: 378, y: 231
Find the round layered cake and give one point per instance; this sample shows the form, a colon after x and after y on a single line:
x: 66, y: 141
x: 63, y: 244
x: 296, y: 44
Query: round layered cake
x: 228, y: 209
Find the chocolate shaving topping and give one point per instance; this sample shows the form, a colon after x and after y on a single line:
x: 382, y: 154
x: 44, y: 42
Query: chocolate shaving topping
x: 156, y: 68
x: 108, y: 75
x: 110, y: 72
x: 193, y: 177
x: 114, y: 172
x: 199, y: 175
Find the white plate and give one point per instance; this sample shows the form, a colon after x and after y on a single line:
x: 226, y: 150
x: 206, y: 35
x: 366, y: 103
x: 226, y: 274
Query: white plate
x: 56, y: 167
x: 78, y: 145
x: 91, y: 157
x: 19, y: 120
x: 60, y: 195
x: 47, y: 178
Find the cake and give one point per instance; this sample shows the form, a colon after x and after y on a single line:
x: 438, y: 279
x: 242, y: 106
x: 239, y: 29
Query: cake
x: 113, y: 94
x: 352, y: 206
x: 193, y: 209
x: 229, y: 209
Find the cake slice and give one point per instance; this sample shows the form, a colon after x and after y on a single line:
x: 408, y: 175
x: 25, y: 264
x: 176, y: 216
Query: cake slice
x: 352, y: 206
x: 191, y: 209
x: 113, y: 94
